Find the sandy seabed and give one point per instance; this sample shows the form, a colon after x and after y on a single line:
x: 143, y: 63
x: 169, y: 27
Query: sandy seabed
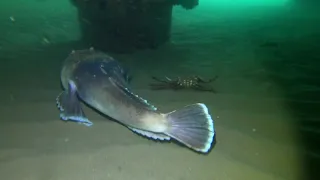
x: 255, y: 134
x: 255, y: 137
x: 250, y: 144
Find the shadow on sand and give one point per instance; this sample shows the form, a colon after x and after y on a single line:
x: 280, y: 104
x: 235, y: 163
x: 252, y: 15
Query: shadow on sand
x: 296, y: 71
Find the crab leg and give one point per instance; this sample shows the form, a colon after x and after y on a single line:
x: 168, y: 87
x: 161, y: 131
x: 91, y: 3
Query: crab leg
x: 201, y: 80
x: 160, y: 80
x: 159, y: 86
x: 204, y: 88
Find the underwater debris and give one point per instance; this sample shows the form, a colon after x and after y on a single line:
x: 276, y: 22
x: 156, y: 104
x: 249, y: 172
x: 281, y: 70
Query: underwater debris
x: 12, y: 19
x: 124, y: 26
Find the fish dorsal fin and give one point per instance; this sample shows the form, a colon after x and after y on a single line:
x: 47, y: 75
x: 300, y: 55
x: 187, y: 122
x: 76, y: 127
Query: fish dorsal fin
x: 133, y: 96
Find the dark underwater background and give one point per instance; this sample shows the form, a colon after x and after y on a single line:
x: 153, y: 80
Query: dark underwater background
x: 266, y: 109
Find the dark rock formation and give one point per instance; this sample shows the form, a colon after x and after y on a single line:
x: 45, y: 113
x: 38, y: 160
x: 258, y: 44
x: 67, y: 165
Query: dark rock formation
x: 127, y: 25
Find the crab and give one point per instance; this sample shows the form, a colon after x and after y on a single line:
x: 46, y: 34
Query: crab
x: 179, y: 83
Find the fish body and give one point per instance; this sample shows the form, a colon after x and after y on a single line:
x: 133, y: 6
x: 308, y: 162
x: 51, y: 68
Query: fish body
x: 102, y: 83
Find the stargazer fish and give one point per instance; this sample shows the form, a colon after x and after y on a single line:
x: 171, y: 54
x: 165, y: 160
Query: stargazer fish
x: 102, y: 83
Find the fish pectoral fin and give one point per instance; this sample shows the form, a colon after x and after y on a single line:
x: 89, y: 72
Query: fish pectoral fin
x: 156, y: 136
x: 70, y: 107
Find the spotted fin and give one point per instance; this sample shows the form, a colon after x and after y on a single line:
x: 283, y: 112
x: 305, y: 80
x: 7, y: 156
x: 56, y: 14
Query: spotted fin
x: 133, y: 96
x: 155, y: 136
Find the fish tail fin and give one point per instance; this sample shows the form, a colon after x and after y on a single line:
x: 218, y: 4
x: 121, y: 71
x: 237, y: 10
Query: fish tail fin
x: 70, y: 107
x: 192, y: 126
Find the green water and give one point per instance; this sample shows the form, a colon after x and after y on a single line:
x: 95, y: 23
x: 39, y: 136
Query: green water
x: 266, y: 108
